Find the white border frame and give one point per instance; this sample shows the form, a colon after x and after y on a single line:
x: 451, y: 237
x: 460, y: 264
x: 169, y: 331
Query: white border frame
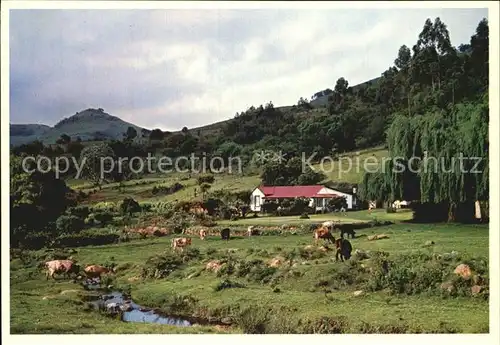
x: 493, y: 19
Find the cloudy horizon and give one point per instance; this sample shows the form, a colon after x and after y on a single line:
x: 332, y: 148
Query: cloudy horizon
x: 173, y: 68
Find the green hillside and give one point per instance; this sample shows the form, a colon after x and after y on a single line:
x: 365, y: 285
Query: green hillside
x: 89, y: 124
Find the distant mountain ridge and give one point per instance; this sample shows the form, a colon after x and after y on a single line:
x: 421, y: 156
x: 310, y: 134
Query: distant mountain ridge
x: 89, y: 124
x: 96, y: 124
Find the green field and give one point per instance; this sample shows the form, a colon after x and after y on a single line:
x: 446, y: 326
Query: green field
x: 348, y: 217
x: 309, y: 289
x: 349, y: 168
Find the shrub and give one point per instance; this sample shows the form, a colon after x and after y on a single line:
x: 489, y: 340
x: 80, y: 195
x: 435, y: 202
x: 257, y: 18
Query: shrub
x: 227, y: 284
x: 69, y: 224
x: 86, y: 238
x: 129, y: 206
x: 179, y: 222
x: 103, y: 217
x: 36, y: 240
x: 163, y: 208
x: 304, y: 216
x: 253, y: 320
x: 325, y: 325
x: 167, y: 190
x: 161, y: 266
x: 206, y: 179
x: 78, y: 211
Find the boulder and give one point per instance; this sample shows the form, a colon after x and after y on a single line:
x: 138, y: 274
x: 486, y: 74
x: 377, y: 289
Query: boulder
x: 360, y: 254
x: 358, y: 293
x: 448, y: 286
x: 477, y: 279
x: 276, y: 262
x: 463, y: 270
x: 214, y: 266
x: 476, y: 289
x: 323, y: 249
x: 126, y: 307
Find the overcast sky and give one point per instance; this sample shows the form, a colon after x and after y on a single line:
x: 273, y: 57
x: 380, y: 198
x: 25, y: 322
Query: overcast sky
x: 173, y: 68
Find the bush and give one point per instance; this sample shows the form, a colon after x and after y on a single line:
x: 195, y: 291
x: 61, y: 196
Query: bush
x: 86, y: 238
x: 163, y: 208
x: 179, y: 222
x: 205, y: 179
x: 69, y: 224
x: 167, y: 190
x: 35, y: 241
x: 253, y: 320
x: 337, y: 203
x: 304, y: 216
x: 102, y: 217
x: 129, y: 206
x: 78, y: 211
x: 161, y: 266
x: 227, y: 284
x: 325, y: 325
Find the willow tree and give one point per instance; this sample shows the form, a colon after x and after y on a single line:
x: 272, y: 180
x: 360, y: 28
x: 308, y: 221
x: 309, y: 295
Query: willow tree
x: 440, y: 157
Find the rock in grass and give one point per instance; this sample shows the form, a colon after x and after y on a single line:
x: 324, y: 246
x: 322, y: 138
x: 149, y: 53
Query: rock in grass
x: 463, y: 270
x: 360, y: 254
x: 448, y: 286
x: 476, y: 289
x: 358, y: 293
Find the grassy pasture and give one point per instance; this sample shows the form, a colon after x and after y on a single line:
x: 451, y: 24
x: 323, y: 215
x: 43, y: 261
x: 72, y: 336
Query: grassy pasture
x: 38, y: 306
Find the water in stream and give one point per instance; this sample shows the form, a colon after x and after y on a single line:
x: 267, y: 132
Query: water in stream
x: 132, y: 312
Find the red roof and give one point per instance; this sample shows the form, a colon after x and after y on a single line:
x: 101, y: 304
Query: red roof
x: 275, y: 192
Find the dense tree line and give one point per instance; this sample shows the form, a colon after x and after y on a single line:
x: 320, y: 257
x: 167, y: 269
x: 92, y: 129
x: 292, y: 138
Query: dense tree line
x: 444, y: 127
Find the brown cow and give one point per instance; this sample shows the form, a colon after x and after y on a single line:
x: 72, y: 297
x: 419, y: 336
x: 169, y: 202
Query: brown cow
x: 181, y: 242
x: 203, y: 234
x: 61, y: 266
x: 95, y: 271
x: 343, y: 249
x: 323, y: 233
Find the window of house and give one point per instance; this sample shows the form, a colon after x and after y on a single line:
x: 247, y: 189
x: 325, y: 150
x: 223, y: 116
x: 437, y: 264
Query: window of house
x: 256, y: 200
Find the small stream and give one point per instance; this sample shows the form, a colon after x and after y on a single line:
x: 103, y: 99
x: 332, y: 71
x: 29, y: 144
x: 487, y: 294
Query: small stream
x: 132, y: 312
x: 116, y: 303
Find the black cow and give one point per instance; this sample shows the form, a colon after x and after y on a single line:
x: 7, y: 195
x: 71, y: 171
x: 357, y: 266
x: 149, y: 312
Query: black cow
x: 346, y: 229
x: 343, y: 249
x: 224, y: 234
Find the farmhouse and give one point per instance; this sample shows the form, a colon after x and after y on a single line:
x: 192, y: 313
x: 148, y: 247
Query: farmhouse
x: 318, y: 194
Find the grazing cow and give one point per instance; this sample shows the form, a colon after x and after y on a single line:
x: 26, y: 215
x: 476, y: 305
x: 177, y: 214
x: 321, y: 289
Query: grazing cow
x: 329, y: 225
x: 95, y: 271
x: 181, y: 242
x: 347, y: 229
x: 61, y: 266
x: 323, y: 233
x: 343, y: 249
x: 224, y: 234
x: 203, y: 234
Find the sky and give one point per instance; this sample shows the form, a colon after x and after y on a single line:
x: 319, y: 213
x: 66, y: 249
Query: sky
x: 173, y: 68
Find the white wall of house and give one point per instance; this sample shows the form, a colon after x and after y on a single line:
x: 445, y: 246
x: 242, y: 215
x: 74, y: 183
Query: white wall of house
x: 349, y: 198
x: 256, y: 200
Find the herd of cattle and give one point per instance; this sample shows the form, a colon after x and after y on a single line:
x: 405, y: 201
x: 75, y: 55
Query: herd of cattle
x: 343, y: 247
x: 325, y: 232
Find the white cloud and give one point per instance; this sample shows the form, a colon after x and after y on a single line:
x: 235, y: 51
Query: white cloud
x: 169, y: 68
